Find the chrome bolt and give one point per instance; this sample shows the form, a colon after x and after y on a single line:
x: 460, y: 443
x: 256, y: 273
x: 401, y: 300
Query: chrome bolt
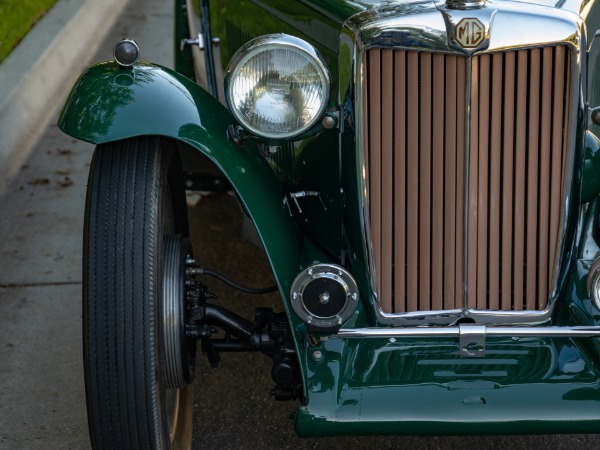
x: 317, y: 355
x: 324, y: 298
x: 596, y: 116
x: 328, y: 122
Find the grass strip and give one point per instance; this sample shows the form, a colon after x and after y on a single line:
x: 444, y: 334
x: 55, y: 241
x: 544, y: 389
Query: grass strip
x: 16, y: 19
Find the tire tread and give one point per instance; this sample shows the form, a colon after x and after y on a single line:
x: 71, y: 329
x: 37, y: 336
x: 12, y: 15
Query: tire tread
x: 122, y: 259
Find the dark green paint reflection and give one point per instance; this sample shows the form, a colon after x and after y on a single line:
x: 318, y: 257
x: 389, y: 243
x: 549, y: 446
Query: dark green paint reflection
x: 423, y: 386
x: 112, y: 102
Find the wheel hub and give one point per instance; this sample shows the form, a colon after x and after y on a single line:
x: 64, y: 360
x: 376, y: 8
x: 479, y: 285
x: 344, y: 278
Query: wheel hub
x: 179, y: 350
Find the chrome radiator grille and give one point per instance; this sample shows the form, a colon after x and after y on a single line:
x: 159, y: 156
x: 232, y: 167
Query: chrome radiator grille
x: 442, y: 133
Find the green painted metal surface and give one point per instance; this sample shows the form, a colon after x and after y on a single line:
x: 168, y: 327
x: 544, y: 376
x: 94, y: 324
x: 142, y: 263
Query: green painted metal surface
x: 590, y: 176
x: 369, y: 386
x: 422, y: 386
x: 109, y: 104
x: 184, y: 63
x: 312, y: 163
x: 229, y: 20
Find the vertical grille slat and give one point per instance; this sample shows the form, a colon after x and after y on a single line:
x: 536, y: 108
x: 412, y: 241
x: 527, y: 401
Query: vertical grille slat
x: 412, y: 187
x: 483, y: 181
x: 519, y: 187
x: 532, y: 181
x: 495, y: 180
x: 400, y: 177
x: 450, y: 136
x: 507, y: 180
x: 557, y: 148
x: 374, y: 159
x: 437, y: 211
x: 425, y: 128
x: 418, y: 168
x: 387, y: 86
x: 544, y: 198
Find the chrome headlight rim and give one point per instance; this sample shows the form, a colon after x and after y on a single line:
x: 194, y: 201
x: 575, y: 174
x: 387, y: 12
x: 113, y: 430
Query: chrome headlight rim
x: 265, y: 43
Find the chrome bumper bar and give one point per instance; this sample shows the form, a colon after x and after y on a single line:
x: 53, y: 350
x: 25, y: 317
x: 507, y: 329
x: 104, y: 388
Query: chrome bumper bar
x: 471, y: 337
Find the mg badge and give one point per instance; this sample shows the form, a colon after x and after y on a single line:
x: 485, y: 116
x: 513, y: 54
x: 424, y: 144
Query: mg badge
x: 469, y: 32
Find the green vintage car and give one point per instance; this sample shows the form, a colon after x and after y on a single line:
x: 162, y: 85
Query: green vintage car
x: 424, y: 177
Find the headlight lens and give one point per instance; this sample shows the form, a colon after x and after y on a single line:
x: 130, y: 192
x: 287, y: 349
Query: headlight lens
x: 277, y: 86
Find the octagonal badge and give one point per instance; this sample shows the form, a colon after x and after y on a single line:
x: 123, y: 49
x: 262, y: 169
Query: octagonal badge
x: 469, y: 32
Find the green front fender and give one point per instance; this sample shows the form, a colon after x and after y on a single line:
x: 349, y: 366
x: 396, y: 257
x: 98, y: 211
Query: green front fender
x: 109, y: 104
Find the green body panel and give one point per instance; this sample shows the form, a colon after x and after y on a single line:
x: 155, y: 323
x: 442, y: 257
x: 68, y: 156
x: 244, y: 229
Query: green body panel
x: 184, y: 63
x: 410, y: 386
x: 590, y: 174
x: 109, y: 104
x: 229, y: 22
x: 422, y: 386
x: 313, y: 163
x: 361, y: 386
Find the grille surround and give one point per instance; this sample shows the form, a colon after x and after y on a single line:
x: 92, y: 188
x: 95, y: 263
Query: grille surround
x: 463, y: 306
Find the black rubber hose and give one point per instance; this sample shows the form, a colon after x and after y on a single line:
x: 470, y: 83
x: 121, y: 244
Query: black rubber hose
x: 237, y: 286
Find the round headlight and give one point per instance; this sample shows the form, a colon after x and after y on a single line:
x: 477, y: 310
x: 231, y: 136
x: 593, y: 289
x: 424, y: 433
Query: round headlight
x: 277, y: 86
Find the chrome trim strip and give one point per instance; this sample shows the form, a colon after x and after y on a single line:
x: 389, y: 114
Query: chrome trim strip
x: 465, y: 4
x: 439, y: 332
x: 423, y: 27
x: 466, y: 193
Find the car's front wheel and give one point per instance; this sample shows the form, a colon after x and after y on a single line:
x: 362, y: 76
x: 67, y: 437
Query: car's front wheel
x: 138, y: 362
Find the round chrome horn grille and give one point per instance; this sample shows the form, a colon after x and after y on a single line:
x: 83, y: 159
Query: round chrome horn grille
x: 324, y: 296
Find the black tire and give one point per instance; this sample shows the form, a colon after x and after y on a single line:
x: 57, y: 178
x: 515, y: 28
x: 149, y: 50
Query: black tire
x: 135, y: 201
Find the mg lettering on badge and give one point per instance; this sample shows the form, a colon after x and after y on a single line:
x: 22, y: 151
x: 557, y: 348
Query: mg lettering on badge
x: 469, y: 32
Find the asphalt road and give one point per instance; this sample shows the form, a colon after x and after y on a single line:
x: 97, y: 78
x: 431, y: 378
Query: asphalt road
x: 42, y: 403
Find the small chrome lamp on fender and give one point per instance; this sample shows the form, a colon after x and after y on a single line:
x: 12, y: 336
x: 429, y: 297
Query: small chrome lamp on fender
x: 126, y: 53
x: 593, y: 283
x: 324, y: 296
x: 277, y: 86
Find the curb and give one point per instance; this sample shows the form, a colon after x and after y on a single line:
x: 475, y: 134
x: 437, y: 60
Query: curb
x: 34, y: 77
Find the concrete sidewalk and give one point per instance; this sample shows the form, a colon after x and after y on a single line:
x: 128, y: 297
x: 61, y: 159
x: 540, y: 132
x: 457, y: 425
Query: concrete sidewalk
x: 42, y: 400
x: 36, y: 74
